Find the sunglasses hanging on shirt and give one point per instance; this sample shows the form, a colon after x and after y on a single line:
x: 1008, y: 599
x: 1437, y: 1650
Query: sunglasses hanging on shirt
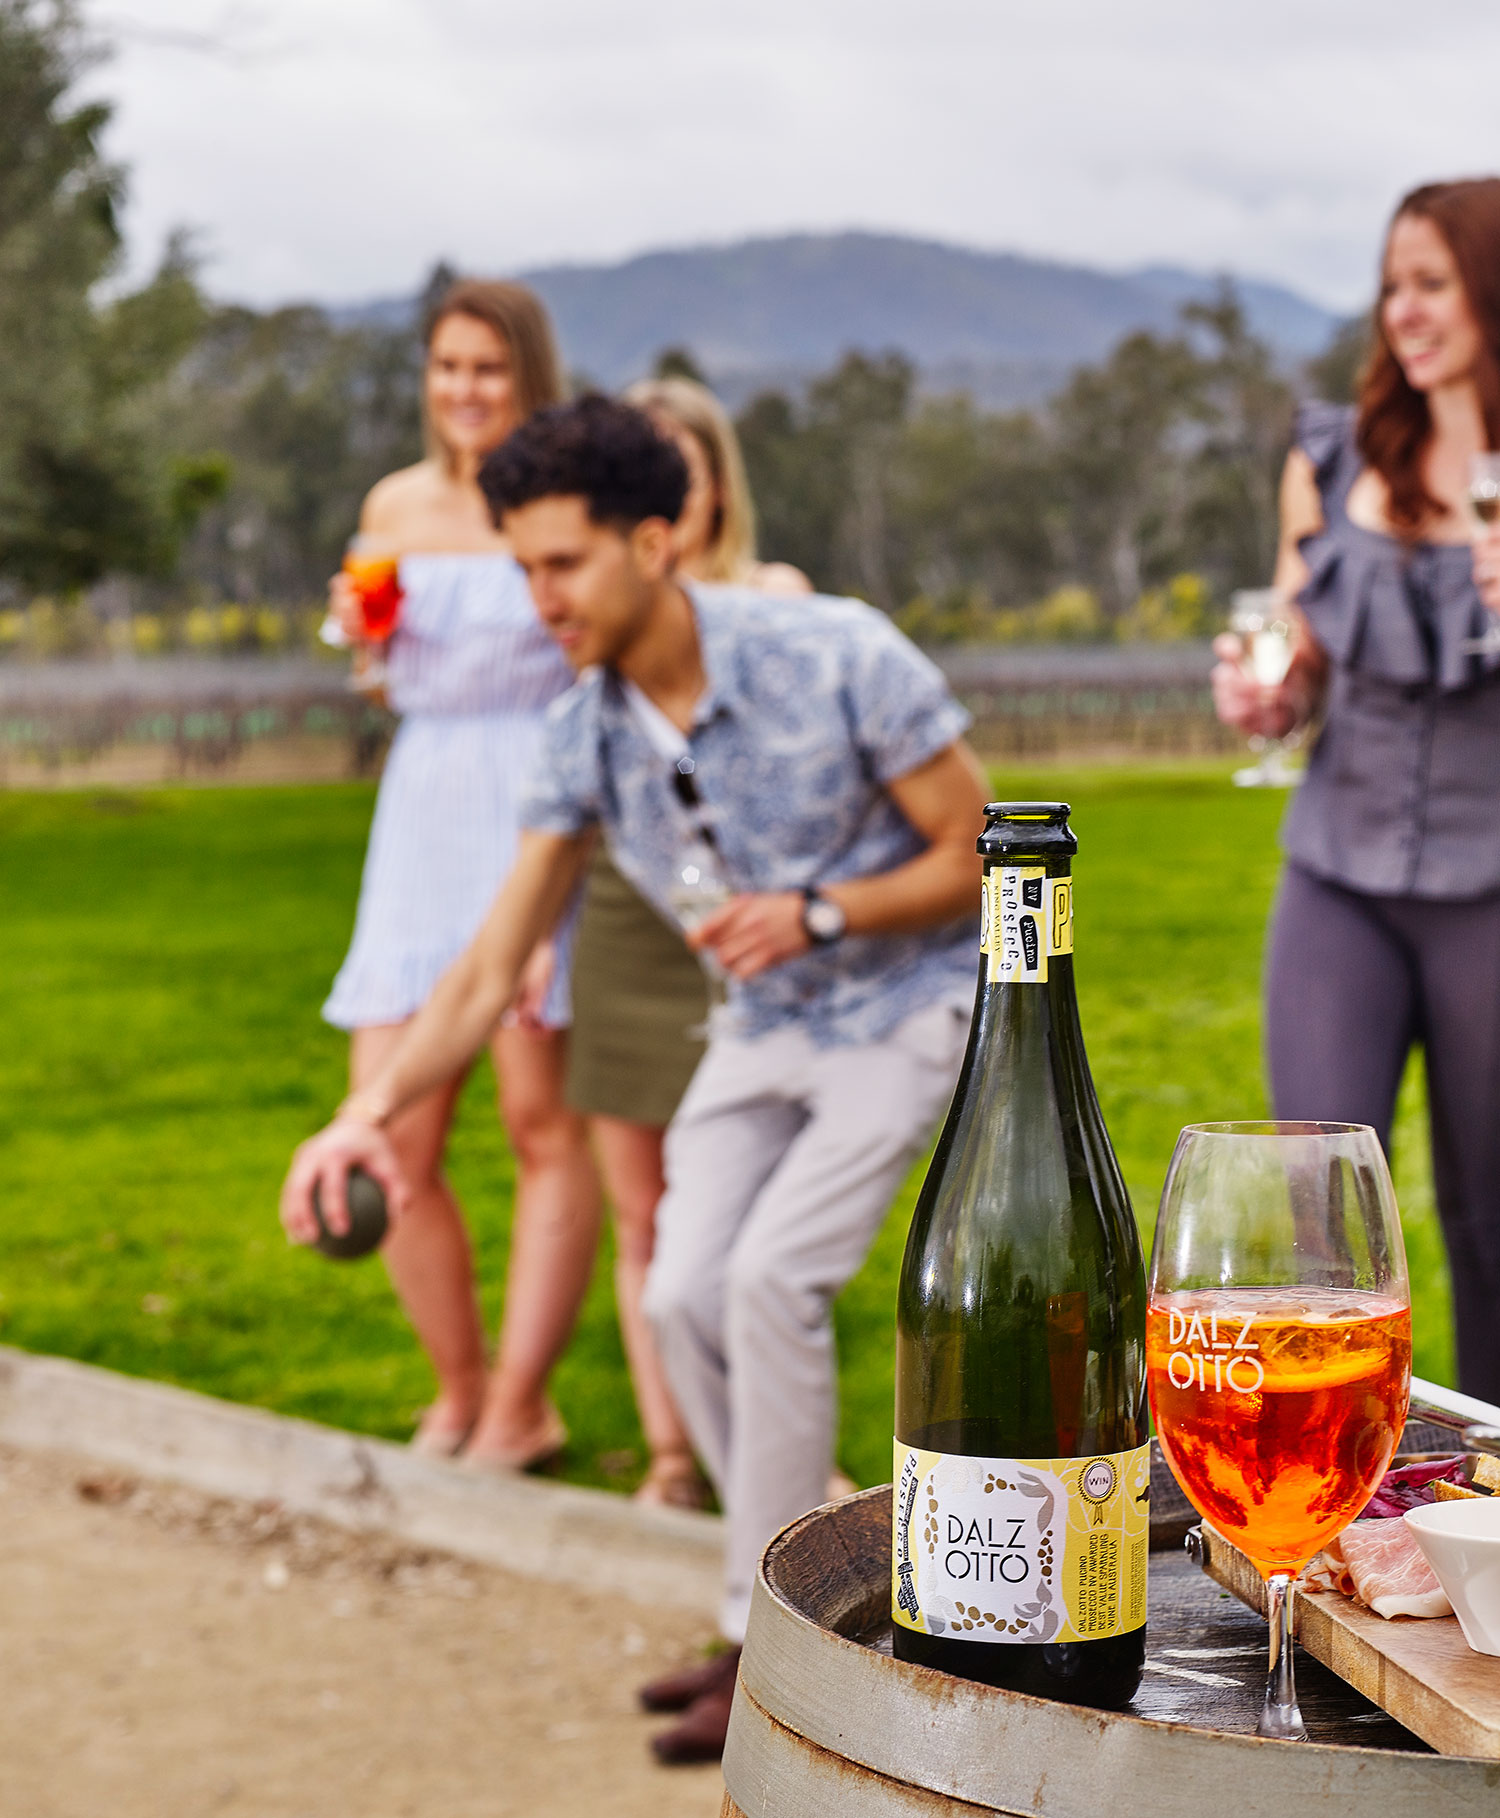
x: 685, y: 788
x: 698, y: 885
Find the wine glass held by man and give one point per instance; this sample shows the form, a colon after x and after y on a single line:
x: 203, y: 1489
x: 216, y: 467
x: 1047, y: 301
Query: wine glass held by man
x: 1387, y: 924
x: 640, y: 1004
x: 471, y: 671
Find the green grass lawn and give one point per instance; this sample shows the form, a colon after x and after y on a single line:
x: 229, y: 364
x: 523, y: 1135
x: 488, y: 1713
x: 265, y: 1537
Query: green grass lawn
x: 162, y: 958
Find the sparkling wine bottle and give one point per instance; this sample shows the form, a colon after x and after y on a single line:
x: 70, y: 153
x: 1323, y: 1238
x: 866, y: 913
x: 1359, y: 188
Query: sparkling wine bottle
x: 1022, y: 1467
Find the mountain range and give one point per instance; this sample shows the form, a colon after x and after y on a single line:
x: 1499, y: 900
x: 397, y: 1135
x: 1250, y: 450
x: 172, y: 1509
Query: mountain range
x: 1005, y: 328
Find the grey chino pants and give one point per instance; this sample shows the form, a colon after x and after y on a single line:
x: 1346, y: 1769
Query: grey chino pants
x: 782, y: 1162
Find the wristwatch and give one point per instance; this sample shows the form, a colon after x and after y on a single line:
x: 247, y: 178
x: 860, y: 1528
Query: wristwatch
x: 823, y: 920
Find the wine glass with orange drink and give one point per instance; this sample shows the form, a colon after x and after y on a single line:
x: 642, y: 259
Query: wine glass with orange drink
x: 374, y: 572
x: 1278, y: 1346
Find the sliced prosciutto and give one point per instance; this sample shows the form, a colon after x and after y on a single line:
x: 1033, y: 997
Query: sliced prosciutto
x: 1377, y: 1559
x: 1380, y: 1563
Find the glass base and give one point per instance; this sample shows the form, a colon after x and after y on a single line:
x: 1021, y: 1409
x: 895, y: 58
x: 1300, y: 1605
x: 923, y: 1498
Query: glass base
x: 1281, y: 1722
x: 1272, y: 772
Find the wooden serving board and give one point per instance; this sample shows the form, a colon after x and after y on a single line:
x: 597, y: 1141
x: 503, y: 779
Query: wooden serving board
x: 1419, y: 1669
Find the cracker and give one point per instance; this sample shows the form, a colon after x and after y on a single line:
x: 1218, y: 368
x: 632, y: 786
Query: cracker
x: 1487, y: 1472
x: 1452, y: 1492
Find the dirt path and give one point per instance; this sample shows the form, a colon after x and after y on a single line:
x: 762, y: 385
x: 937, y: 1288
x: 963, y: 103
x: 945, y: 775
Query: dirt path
x: 167, y: 1655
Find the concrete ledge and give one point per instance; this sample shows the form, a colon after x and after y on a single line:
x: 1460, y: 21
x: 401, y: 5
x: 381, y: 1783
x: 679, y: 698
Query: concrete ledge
x: 585, y: 1538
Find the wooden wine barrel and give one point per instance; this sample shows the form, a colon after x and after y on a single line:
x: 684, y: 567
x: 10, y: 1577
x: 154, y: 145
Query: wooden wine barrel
x: 826, y: 1722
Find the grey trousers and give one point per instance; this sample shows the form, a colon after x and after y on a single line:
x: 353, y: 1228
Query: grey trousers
x: 781, y: 1164
x: 1352, y: 982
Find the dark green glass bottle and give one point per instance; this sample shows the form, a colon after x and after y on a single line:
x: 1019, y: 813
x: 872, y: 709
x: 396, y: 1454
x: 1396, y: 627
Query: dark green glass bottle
x: 1022, y: 1468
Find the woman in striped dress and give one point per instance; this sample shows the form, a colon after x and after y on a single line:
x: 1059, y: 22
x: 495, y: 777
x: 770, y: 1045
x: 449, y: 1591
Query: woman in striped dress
x: 471, y: 671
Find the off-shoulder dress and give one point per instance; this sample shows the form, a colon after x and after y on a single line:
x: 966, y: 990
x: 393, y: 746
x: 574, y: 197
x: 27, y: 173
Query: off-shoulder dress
x: 471, y: 674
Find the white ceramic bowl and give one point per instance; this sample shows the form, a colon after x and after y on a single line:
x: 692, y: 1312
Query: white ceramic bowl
x: 1461, y: 1542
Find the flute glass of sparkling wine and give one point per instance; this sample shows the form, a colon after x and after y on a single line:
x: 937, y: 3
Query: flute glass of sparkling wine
x: 1278, y: 1346
x: 1484, y: 502
x: 1262, y: 619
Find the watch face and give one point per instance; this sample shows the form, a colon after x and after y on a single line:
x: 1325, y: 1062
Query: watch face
x: 823, y: 920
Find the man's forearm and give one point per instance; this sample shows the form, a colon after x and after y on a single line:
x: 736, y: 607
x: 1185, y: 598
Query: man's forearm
x: 939, y: 885
x: 943, y: 800
x: 479, y: 987
x: 440, y: 1041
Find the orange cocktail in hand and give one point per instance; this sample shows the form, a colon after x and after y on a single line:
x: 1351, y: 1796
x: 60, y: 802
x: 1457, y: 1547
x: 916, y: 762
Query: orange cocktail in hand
x: 376, y: 578
x: 1278, y: 1409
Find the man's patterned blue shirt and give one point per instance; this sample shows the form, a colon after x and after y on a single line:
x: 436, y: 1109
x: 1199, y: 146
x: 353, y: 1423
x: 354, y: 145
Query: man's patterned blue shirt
x: 812, y: 705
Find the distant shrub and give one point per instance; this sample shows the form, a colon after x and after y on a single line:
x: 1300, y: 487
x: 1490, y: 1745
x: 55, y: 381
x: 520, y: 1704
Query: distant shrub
x: 200, y: 628
x: 53, y: 628
x: 147, y: 633
x: 73, y: 627
x: 1070, y: 615
x: 1184, y: 608
x: 961, y: 616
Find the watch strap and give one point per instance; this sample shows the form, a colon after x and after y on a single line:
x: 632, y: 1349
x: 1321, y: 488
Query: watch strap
x: 813, y: 898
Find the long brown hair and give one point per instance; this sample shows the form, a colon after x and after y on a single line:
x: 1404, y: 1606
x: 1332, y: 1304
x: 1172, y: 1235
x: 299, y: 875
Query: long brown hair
x: 519, y: 317
x: 730, y: 555
x: 1395, y: 424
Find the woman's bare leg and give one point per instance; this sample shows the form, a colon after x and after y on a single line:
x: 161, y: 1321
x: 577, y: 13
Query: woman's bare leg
x: 427, y: 1254
x: 630, y: 1157
x: 553, y: 1239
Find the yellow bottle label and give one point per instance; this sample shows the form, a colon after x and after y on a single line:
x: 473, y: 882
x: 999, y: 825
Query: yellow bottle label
x: 1026, y: 917
x: 1020, y: 1549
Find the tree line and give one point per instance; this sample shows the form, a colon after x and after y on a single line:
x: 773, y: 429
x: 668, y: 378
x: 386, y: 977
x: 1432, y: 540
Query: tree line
x: 1132, y: 503
x: 217, y: 454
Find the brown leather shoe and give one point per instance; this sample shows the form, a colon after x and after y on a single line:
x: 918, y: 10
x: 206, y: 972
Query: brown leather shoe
x: 701, y: 1734
x: 677, y: 1691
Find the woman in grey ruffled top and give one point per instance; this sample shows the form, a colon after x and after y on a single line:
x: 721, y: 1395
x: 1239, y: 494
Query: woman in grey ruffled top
x: 1386, y: 930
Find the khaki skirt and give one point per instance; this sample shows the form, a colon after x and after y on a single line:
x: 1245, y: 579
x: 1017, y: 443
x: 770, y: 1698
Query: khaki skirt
x: 637, y: 992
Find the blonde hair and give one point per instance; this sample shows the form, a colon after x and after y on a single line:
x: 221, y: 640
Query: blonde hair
x: 519, y: 318
x: 730, y: 555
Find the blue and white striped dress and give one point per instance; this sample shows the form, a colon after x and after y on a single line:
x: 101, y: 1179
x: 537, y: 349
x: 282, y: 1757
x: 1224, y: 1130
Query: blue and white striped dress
x: 471, y: 672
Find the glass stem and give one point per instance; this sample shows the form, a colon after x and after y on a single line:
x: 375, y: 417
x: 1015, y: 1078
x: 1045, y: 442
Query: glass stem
x: 1281, y: 1718
x: 718, y: 991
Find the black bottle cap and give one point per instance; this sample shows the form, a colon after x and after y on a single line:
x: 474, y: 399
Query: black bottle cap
x: 1015, y: 827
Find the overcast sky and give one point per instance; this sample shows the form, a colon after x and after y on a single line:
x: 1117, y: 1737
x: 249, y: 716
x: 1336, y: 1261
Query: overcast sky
x: 334, y: 148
